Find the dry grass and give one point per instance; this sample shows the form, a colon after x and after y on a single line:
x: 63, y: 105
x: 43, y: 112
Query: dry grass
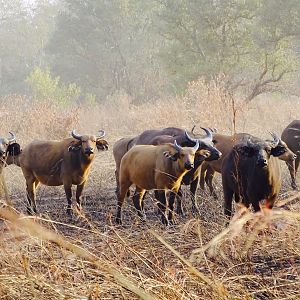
x: 50, y: 257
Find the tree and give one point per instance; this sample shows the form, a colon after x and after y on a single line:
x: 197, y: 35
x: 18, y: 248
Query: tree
x: 249, y: 42
x: 107, y: 46
x: 24, y: 33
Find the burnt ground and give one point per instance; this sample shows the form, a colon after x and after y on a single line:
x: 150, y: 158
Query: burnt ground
x: 268, y: 268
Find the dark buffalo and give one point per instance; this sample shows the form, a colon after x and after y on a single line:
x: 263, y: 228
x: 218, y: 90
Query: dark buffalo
x: 225, y: 144
x: 291, y: 135
x: 251, y: 173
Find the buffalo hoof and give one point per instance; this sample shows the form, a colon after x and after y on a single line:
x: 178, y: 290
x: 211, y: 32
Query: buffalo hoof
x: 164, y: 220
x: 294, y: 186
x: 195, y: 211
x: 79, y: 206
x: 30, y: 211
x: 143, y: 218
x: 118, y: 221
x: 215, y: 196
x: 179, y: 212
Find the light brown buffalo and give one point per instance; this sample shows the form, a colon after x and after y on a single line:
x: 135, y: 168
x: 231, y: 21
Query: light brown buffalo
x: 157, y: 168
x: 55, y: 163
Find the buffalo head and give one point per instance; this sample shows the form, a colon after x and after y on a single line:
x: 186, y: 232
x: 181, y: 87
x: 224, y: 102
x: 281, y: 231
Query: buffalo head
x: 261, y: 151
x: 206, y: 143
x: 183, y: 155
x: 5, y: 143
x: 88, y: 143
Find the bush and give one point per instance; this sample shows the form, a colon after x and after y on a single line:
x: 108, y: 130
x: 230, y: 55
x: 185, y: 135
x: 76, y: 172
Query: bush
x: 44, y: 86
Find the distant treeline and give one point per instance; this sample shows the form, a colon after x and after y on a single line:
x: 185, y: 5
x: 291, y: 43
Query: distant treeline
x: 87, y: 50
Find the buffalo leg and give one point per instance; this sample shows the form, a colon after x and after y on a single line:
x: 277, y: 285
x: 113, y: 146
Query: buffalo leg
x: 31, y: 183
x: 292, y: 169
x: 193, y: 189
x: 138, y: 201
x: 172, y: 198
x: 162, y: 203
x: 78, y: 194
x: 228, y: 194
x: 68, y: 192
x: 209, y: 181
x: 179, y: 209
x: 123, y: 189
x: 117, y: 181
x: 202, y: 176
x: 297, y: 161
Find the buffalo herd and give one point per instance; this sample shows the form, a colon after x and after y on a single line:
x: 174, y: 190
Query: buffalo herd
x: 163, y: 160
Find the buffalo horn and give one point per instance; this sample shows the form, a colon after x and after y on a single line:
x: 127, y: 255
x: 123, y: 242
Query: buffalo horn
x: 101, y: 135
x: 208, y: 133
x: 176, y: 146
x: 12, y: 137
x: 190, y: 138
x: 192, y: 131
x: 249, y: 142
x: 276, y: 139
x: 75, y: 136
x: 196, y: 146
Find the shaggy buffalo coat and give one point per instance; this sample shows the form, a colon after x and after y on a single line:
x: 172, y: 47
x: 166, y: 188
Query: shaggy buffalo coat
x: 251, y: 173
x: 225, y: 143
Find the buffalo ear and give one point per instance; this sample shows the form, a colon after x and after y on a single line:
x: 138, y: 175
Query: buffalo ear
x: 102, y: 145
x: 246, y: 151
x: 75, y: 146
x: 277, y: 151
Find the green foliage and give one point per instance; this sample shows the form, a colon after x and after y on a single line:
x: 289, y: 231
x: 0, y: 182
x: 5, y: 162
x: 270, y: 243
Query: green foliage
x: 43, y: 85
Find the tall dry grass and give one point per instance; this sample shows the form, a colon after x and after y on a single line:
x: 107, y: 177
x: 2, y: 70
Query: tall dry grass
x: 51, y: 257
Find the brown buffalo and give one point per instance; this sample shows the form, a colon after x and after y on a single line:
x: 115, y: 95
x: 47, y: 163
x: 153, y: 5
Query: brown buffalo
x: 251, y: 173
x: 119, y: 149
x: 206, y: 151
x: 291, y: 135
x: 225, y: 144
x: 55, y: 163
x: 151, y: 167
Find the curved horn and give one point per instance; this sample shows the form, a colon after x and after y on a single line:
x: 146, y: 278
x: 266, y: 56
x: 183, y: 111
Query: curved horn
x: 190, y: 138
x: 192, y: 131
x: 176, y: 146
x: 75, y: 136
x: 12, y: 137
x: 249, y: 142
x: 102, y: 134
x: 209, y: 134
x: 196, y: 146
x: 275, y: 138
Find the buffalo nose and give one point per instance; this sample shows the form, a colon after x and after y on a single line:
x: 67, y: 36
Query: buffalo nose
x: 295, y: 156
x: 89, y: 150
x: 188, y: 166
x: 262, y: 162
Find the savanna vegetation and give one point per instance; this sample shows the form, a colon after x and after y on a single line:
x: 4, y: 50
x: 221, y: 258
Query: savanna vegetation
x: 126, y: 66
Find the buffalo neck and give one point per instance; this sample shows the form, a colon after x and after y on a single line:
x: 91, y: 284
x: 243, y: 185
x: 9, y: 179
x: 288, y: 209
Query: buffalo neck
x: 81, y: 160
